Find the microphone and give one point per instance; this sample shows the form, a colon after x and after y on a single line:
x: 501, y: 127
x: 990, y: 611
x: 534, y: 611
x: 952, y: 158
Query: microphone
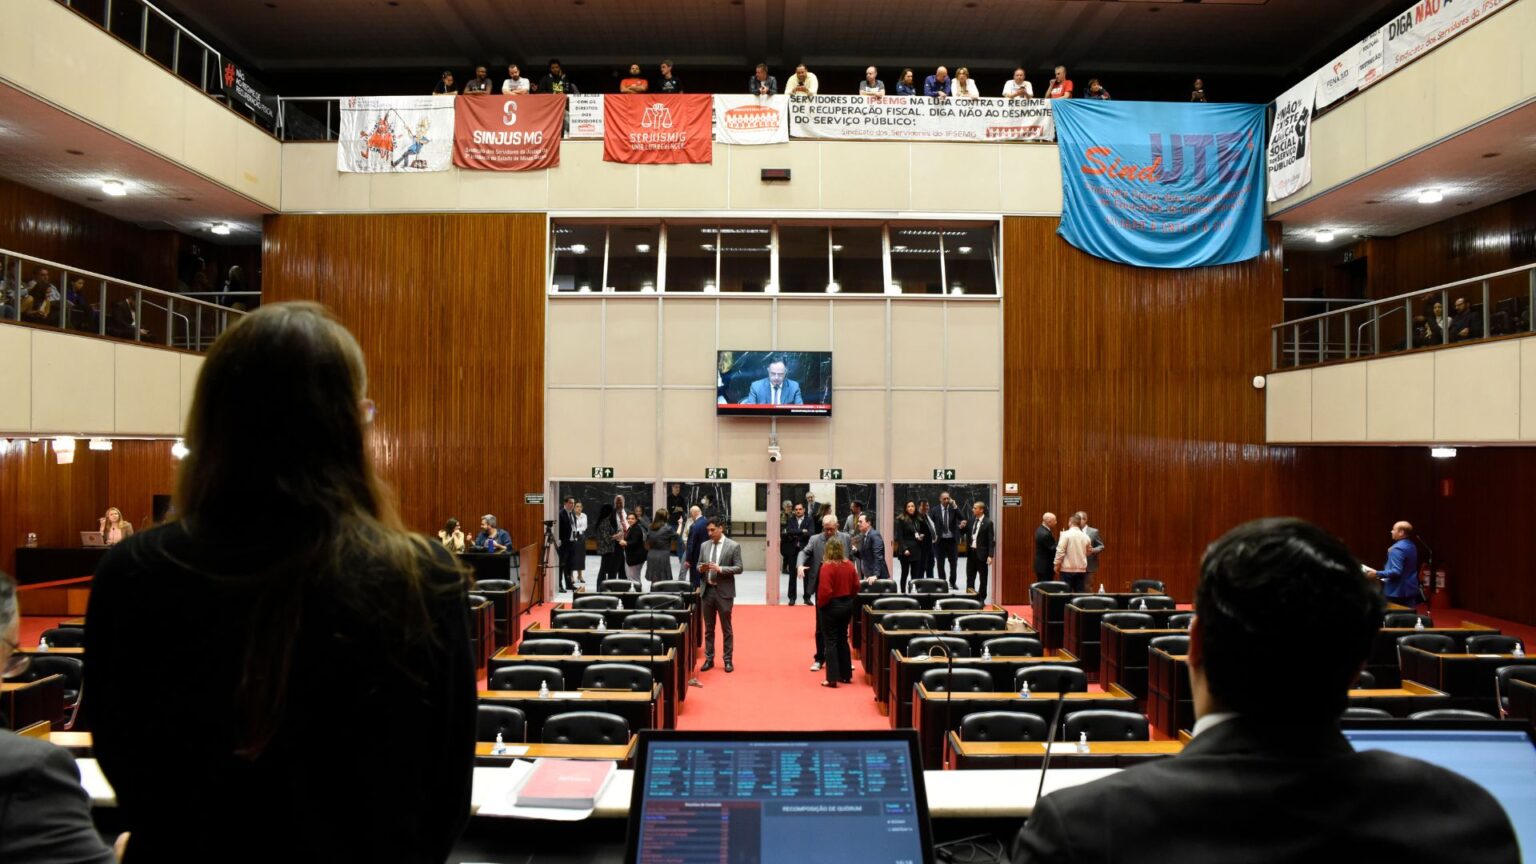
x: 1050, y: 737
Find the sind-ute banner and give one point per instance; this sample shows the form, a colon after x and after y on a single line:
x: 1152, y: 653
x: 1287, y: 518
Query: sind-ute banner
x: 645, y: 129
x: 1162, y: 184
x: 748, y: 119
x: 508, y: 133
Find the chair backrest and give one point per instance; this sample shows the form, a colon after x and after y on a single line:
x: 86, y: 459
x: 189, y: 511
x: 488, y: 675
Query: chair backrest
x: 71, y: 668
x: 476, y: 600
x: 1129, y: 620
x: 671, y: 586
x: 1052, y: 679
x: 526, y: 676
x: 651, y: 621
x: 1106, y: 725
x: 908, y: 621
x: 1014, y: 646
x: 958, y: 681
x: 494, y: 585
x: 881, y: 586
x: 1491, y: 643
x: 585, y: 727
x: 1052, y: 587
x: 896, y: 604
x: 549, y: 647
x: 64, y: 637
x: 597, y: 601
x: 1148, y: 586
x: 505, y: 720
x: 618, y: 586
x: 956, y: 603
x: 983, y: 621
x: 1505, y: 674
x: 1366, y: 714
x: 1151, y: 601
x: 1094, y: 601
x: 1434, y: 643
x: 929, y: 586
x: 659, y: 601
x: 1406, y: 619
x: 575, y: 620
x: 1180, y: 621
x: 633, y: 644
x: 1002, y: 726
x: 1366, y: 681
x: 925, y: 644
x: 1451, y: 714
x: 618, y: 676
x: 1175, y: 645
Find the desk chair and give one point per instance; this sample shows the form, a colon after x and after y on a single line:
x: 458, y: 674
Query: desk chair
x: 1013, y: 646
x: 618, y: 676
x: 597, y: 602
x: 881, y: 586
x: 652, y: 621
x: 619, y: 586
x: 1434, y: 643
x: 1366, y: 681
x: 1094, y: 601
x: 1052, y: 679
x: 1002, y: 726
x: 956, y: 646
x: 930, y: 586
x: 476, y: 600
x: 576, y: 620
x: 63, y: 637
x: 659, y: 601
x: 671, y: 586
x: 952, y: 603
x: 1105, y: 725
x: 632, y: 644
x: 1505, y: 674
x: 1151, y: 601
x: 549, y: 647
x: 1180, y: 621
x: 982, y: 622
x: 586, y: 727
x: 494, y: 585
x: 1052, y: 587
x: 1451, y: 714
x: 1175, y: 645
x: 957, y: 681
x: 909, y: 621
x: 897, y: 604
x: 510, y: 723
x: 1149, y: 586
x: 1366, y: 714
x: 1405, y: 619
x: 1491, y: 643
x: 526, y: 677
x: 1129, y: 620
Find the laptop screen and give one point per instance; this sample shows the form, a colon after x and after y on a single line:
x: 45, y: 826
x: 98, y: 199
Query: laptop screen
x: 793, y: 797
x: 1503, y: 761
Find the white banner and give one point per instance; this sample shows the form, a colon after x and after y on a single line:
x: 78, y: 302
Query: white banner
x: 405, y: 134
x: 1339, y: 78
x: 1428, y: 23
x: 918, y: 118
x: 751, y: 119
x: 584, y: 116
x: 1371, y: 48
x: 1290, y: 140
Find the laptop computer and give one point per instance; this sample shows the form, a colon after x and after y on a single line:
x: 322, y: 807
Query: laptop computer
x: 778, y: 797
x: 92, y: 538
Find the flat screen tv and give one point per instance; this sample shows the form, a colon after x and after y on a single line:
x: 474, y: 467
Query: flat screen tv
x: 773, y: 383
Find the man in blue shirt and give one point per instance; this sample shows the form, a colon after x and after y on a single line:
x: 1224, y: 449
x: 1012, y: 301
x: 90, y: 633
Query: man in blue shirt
x: 492, y: 538
x: 937, y: 84
x: 1400, y: 577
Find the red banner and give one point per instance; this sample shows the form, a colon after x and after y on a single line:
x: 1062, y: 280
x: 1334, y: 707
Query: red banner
x: 508, y: 133
x: 643, y: 129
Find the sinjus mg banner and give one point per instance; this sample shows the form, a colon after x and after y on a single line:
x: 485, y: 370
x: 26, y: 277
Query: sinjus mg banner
x: 657, y: 129
x: 404, y: 134
x: 1162, y: 184
x: 1289, y: 155
x: 508, y: 133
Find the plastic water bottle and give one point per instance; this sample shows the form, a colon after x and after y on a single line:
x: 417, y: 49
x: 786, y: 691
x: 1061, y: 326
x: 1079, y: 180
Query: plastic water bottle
x: 1082, y: 742
x: 42, y: 645
x: 1141, y: 604
x: 986, y: 653
x: 1519, y: 650
x: 1101, y: 587
x: 543, y: 689
x: 1418, y: 623
x: 955, y: 628
x: 501, y: 746
x: 602, y: 623
x: 577, y: 652
x: 1024, y: 690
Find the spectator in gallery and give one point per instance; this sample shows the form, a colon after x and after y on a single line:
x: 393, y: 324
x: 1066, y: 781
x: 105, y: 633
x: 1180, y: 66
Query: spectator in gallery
x: 635, y: 82
x: 871, y: 85
x: 492, y: 537
x: 633, y: 543
x: 122, y: 321
x: 81, y: 316
x: 1018, y: 87
x: 906, y: 85
x: 445, y: 85
x: 1442, y: 320
x: 37, y: 302
x: 761, y: 83
x: 479, y: 84
x: 963, y: 87
x: 658, y: 545
x: 556, y: 81
x: 234, y: 283
x: 1198, y: 93
x: 1061, y: 85
x: 668, y: 82
x: 1096, y: 90
x: 803, y: 83
x: 515, y: 84
x: 1467, y: 323
x: 1427, y: 327
x: 452, y: 536
x: 936, y: 86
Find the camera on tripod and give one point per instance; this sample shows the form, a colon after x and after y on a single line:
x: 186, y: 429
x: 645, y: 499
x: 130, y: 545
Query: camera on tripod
x: 549, y: 523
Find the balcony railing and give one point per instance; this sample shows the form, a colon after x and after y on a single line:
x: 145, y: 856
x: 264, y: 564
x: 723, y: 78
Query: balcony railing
x: 48, y: 294
x: 1482, y: 307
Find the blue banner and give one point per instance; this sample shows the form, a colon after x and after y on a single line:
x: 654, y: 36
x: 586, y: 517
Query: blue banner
x: 1162, y: 184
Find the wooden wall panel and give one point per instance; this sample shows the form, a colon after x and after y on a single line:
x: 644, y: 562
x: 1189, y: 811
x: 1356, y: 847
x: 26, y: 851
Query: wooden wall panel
x: 37, y: 224
x: 449, y: 310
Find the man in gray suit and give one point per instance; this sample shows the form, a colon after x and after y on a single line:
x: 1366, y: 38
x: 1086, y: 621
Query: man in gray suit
x: 810, y: 568
x: 719, y: 564
x: 1095, y: 546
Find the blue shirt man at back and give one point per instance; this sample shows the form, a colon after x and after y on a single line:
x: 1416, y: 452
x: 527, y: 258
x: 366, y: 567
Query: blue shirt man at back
x: 1400, y: 577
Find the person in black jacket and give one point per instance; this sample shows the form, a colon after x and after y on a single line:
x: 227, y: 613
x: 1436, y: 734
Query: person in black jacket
x: 908, y: 555
x: 634, y: 547
x: 1045, y: 548
x: 978, y: 551
x: 320, y: 704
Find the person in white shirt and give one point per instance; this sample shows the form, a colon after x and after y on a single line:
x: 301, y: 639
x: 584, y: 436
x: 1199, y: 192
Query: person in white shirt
x: 1072, y: 554
x: 802, y: 83
x: 1019, y: 87
x: 871, y: 85
x: 963, y: 87
x: 515, y: 83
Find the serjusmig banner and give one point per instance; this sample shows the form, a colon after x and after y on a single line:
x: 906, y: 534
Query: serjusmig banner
x: 1160, y: 184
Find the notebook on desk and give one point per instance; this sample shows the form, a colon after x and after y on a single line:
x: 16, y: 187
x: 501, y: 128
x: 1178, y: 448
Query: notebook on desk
x: 778, y: 797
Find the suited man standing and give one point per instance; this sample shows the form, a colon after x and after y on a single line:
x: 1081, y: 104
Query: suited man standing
x: 810, y: 567
x: 1095, y: 544
x: 777, y: 389
x: 568, y: 541
x: 978, y: 555
x: 719, y: 564
x: 799, y: 530
x: 1045, y: 548
x: 698, y: 532
x: 927, y: 546
x: 946, y: 531
x: 1267, y: 776
x: 872, y: 564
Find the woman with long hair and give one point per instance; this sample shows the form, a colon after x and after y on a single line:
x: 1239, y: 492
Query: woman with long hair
x: 331, y: 624
x: 837, y: 589
x: 907, y: 551
x: 634, y: 547
x: 452, y: 536
x: 658, y: 543
x: 579, y: 554
x: 114, y: 528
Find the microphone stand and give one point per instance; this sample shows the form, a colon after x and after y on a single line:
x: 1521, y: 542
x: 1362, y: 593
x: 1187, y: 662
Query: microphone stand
x: 1050, y: 737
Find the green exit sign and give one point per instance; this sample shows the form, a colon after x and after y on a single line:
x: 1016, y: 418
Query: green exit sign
x: 602, y: 473
x: 716, y: 474
x: 831, y: 473
x: 943, y: 473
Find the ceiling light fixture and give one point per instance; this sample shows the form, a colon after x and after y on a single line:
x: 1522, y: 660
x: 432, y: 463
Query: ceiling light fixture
x: 964, y: 250
x: 642, y: 248
x: 220, y: 228
x: 1431, y: 196
x: 578, y: 248
x: 1323, y: 236
x: 1442, y: 452
x: 115, y: 188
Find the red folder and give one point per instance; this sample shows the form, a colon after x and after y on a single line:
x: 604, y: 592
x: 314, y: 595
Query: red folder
x: 567, y: 784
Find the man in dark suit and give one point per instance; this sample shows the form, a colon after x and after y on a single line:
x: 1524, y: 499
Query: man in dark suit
x: 796, y: 532
x: 719, y: 565
x: 871, y: 551
x: 927, y: 546
x: 698, y: 532
x: 568, y: 541
x: 1268, y: 776
x: 946, y: 527
x: 1045, y: 548
x: 978, y: 554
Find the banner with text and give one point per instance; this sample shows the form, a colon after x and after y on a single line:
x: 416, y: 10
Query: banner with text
x: 657, y: 129
x: 1162, y: 184
x: 918, y: 118
x: 1372, y: 49
x: 1339, y: 78
x: 508, y: 133
x: 1427, y: 24
x: 245, y: 92
x: 586, y: 116
x: 1289, y: 157
x: 751, y: 119
x: 405, y: 134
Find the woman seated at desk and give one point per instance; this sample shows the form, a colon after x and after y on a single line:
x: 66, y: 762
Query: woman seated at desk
x: 491, y: 538
x: 452, y: 537
x: 113, y: 527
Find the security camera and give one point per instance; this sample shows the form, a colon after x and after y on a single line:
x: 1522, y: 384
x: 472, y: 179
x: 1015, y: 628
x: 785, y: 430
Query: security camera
x: 775, y: 454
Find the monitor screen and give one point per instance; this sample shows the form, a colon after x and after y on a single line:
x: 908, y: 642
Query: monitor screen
x: 762, y: 796
x: 773, y: 383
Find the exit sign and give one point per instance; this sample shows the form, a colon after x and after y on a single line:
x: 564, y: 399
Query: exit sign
x: 831, y: 473
x: 716, y: 473
x: 602, y: 473
x: 943, y: 473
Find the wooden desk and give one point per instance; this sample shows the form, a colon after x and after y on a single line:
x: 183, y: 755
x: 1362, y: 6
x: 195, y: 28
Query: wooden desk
x: 1050, y: 613
x: 970, y: 755
x: 507, y: 615
x: 1082, y: 632
x: 663, y: 666
x: 78, y: 653
x: 1467, y: 678
x: 906, y: 672
x: 26, y: 703
x: 623, y: 754
x: 642, y: 710
x: 78, y: 742
x: 590, y: 640
x: 482, y: 632
x: 73, y: 622
x: 862, y: 634
x: 1123, y: 657
x: 1383, y: 661
x: 1400, y: 701
x: 1170, y: 701
x: 877, y: 662
x: 935, y: 715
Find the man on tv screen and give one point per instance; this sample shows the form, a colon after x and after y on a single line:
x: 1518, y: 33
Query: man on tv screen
x: 777, y: 389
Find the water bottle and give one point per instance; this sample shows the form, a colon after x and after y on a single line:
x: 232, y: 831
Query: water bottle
x: 955, y: 628
x: 31, y: 539
x: 1519, y: 650
x: 42, y: 645
x: 543, y: 689
x: 986, y: 653
x: 1082, y: 742
x: 1024, y: 690
x: 1101, y: 587
x: 1418, y: 623
x: 577, y: 652
x: 602, y: 623
x: 1141, y: 604
x: 501, y: 746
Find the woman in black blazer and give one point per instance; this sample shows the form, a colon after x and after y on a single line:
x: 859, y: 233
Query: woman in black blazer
x: 906, y: 542
x: 318, y: 700
x: 634, y: 548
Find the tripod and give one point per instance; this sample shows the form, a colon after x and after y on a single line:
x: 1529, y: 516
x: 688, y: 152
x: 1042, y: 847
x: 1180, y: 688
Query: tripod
x: 549, y: 557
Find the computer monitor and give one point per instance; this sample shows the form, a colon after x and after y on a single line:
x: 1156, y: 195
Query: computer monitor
x: 778, y: 796
x: 1496, y: 755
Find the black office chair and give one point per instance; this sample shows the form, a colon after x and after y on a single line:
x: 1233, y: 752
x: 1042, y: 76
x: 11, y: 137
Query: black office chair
x: 1180, y: 621
x: 1175, y: 645
x: 984, y: 621
x: 1505, y: 674
x: 1148, y: 586
x: 63, y: 637
x: 929, y: 586
x: 618, y: 586
x: 908, y: 621
x: 659, y: 601
x: 1129, y: 620
x: 494, y: 585
x: 651, y: 621
x: 1052, y: 679
x: 632, y: 644
x: 549, y: 647
x: 576, y: 620
x: 1451, y: 714
x: 1052, y: 587
x: 671, y: 586
x: 1002, y: 726
x: 1366, y: 681
x: 1491, y: 643
x: 881, y: 586
x: 1106, y: 725
x: 1014, y: 646
x: 1434, y: 643
x: 896, y: 604
x: 1094, y: 601
x: 510, y: 723
x: 72, y: 670
x: 597, y: 602
x: 1366, y: 714
x: 526, y: 676
x: 957, y: 681
x: 476, y: 600
x: 1151, y: 601
x: 585, y: 727
x: 949, y: 603
x: 1400, y: 620
x: 617, y: 676
x: 956, y: 646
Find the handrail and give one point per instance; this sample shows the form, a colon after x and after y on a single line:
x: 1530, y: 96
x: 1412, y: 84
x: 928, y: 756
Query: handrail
x: 80, y: 271
x: 1407, y: 295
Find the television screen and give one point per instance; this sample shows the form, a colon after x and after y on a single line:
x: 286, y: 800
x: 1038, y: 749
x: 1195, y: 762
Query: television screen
x: 773, y: 383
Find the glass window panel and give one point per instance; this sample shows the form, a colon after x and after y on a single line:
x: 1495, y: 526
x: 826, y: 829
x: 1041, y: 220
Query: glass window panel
x: 746, y: 258
x: 691, y: 257
x: 970, y: 260
x: 857, y: 265
x: 633, y: 252
x: 578, y: 264
x: 803, y: 259
x: 915, y: 259
x: 1509, y: 303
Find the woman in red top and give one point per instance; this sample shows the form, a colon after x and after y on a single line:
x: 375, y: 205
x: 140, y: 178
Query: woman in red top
x: 837, y: 589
